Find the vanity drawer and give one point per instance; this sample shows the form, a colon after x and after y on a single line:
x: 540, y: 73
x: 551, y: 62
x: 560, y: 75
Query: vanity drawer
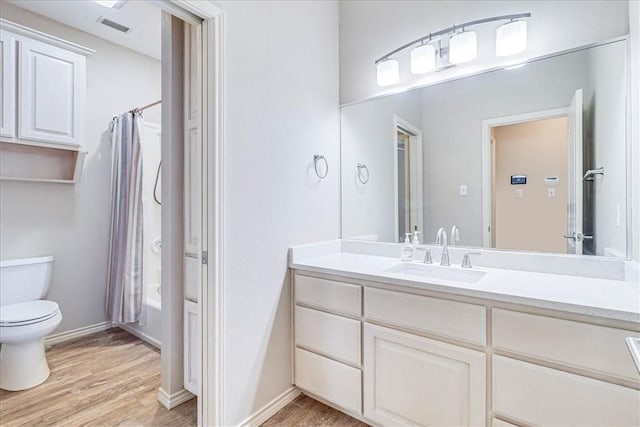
x: 330, y: 380
x: 328, y: 334
x: 542, y: 396
x: 326, y: 294
x: 465, y: 322
x: 579, y: 345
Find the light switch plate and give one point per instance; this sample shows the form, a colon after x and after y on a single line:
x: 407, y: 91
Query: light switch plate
x: 463, y: 190
x: 519, y: 193
x: 551, y: 192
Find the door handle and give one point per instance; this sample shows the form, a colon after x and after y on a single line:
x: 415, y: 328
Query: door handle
x: 578, y: 237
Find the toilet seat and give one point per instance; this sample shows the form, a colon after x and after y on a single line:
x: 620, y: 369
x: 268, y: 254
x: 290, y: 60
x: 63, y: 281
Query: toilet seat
x: 27, y: 313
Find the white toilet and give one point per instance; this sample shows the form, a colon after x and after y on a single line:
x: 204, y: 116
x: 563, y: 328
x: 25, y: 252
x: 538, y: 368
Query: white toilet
x: 25, y: 319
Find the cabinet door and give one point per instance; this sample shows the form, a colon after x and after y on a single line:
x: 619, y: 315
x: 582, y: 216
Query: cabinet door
x: 410, y: 380
x: 52, y: 87
x: 191, y: 347
x: 7, y: 85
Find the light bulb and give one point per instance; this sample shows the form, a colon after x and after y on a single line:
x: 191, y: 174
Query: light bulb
x: 463, y: 47
x: 423, y: 59
x: 511, y: 38
x: 388, y: 72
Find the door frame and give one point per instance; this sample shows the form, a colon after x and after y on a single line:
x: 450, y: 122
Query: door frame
x: 211, y: 20
x: 416, y: 188
x: 487, y: 161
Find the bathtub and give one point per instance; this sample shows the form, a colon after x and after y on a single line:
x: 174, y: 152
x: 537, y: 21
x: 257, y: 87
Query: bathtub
x: 151, y: 329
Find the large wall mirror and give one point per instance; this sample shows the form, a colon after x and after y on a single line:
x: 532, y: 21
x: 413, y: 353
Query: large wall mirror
x: 529, y: 158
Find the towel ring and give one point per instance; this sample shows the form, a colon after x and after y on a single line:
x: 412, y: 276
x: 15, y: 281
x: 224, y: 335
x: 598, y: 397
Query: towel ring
x: 361, y: 178
x: 317, y: 158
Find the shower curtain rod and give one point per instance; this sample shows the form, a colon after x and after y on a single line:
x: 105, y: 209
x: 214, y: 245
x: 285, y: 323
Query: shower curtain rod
x: 136, y: 110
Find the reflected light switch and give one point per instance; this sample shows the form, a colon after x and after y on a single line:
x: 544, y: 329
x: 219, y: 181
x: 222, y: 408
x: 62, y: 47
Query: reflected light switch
x: 463, y: 190
x: 519, y: 193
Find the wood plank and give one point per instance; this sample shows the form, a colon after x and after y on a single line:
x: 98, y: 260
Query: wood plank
x: 108, y: 378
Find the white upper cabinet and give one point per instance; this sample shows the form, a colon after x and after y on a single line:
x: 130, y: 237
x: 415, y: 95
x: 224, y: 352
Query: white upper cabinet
x: 50, y: 76
x: 51, y: 94
x: 7, y: 85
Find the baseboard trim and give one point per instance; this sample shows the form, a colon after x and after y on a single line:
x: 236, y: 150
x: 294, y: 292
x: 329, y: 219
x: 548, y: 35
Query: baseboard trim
x: 270, y: 409
x: 77, y: 333
x: 170, y: 401
x: 144, y: 337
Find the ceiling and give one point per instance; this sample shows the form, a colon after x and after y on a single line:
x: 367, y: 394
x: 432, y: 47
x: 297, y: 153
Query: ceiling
x: 141, y: 16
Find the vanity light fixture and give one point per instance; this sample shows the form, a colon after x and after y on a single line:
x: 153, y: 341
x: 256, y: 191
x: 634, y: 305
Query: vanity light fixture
x: 463, y: 47
x: 112, y: 4
x: 388, y: 72
x: 423, y: 59
x: 511, y: 39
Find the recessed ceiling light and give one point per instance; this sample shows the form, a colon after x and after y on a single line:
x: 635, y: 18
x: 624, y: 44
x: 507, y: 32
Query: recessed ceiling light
x: 112, y: 4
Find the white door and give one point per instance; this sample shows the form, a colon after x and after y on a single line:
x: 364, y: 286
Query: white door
x: 411, y: 380
x: 574, y: 234
x: 194, y: 225
x: 52, y: 87
x: 7, y: 85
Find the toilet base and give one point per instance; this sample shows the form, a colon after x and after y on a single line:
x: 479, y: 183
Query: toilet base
x: 23, y: 365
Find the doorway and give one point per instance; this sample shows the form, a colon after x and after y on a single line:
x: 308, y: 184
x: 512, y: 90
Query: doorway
x: 408, y: 178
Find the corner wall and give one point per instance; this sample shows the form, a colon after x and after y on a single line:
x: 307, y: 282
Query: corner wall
x: 71, y: 222
x: 281, y: 108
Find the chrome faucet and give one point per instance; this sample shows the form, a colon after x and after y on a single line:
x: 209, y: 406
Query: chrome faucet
x: 441, y: 239
x: 455, y: 235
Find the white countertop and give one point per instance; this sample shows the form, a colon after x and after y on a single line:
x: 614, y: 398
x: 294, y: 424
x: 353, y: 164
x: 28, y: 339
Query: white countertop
x: 612, y: 299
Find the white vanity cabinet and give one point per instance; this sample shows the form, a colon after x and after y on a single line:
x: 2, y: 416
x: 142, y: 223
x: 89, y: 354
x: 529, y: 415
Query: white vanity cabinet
x: 7, y: 85
x: 328, y: 327
x: 394, y: 356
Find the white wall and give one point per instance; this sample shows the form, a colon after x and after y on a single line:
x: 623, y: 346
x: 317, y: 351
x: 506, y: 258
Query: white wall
x: 281, y: 91
x: 370, y: 29
x: 634, y: 32
x: 71, y: 222
x: 605, y: 103
x: 368, y: 136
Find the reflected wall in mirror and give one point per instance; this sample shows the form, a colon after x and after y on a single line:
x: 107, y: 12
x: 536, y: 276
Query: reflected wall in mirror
x: 530, y: 158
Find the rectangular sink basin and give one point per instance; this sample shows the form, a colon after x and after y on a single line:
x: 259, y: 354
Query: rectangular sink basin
x: 454, y: 274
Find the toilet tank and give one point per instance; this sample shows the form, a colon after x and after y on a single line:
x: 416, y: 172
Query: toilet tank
x: 25, y: 279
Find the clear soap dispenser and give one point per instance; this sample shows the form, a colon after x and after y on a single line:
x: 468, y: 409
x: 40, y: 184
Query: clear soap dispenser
x: 406, y: 253
x: 416, y: 237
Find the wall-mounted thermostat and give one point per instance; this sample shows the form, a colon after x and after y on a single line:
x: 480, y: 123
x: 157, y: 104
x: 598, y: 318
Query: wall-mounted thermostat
x: 551, y: 180
x: 518, y: 179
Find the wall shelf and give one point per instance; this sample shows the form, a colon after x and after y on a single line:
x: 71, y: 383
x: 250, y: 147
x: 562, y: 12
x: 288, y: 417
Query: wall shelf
x: 40, y: 162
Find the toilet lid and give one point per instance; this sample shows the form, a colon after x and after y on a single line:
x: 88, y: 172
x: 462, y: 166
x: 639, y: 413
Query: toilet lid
x: 27, y: 312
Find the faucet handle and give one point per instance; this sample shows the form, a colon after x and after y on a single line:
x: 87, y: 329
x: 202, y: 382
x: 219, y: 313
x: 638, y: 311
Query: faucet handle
x: 466, y: 260
x: 427, y: 257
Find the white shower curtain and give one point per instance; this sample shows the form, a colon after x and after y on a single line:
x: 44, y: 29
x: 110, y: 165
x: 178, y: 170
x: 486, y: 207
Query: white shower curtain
x: 124, y: 274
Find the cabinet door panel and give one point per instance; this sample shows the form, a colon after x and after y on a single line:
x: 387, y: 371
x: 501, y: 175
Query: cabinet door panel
x: 411, y: 380
x: 543, y: 396
x: 52, y: 92
x: 191, y: 346
x: 7, y: 85
x: 328, y: 379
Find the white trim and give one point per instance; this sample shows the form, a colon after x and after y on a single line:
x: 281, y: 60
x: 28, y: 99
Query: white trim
x: 142, y: 335
x: 417, y: 193
x: 77, y: 333
x: 271, y: 408
x: 170, y: 401
x: 487, y: 162
x: 21, y: 30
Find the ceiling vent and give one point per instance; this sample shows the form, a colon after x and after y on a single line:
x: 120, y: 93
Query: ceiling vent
x: 114, y: 25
